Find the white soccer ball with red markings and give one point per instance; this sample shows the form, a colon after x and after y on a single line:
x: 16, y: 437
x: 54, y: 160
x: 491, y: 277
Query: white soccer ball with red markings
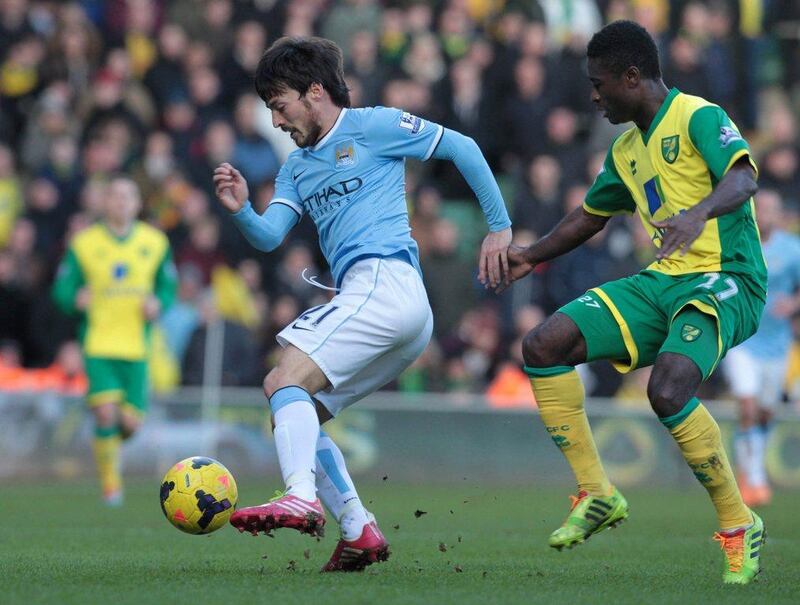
x: 198, y: 495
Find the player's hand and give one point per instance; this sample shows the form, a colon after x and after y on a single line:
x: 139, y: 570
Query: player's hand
x: 518, y: 266
x: 151, y: 308
x: 230, y: 187
x: 82, y: 299
x: 679, y: 232
x: 493, y: 260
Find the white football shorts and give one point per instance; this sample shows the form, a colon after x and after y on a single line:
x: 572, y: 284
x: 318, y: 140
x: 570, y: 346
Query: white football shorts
x: 378, y: 323
x: 751, y: 376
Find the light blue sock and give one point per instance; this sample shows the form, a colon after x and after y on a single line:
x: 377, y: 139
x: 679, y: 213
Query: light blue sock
x: 336, y: 488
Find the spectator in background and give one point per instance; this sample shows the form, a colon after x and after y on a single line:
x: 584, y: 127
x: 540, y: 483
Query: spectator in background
x: 10, y: 194
x: 537, y: 205
x: 563, y: 143
x: 780, y: 170
x: 238, y: 66
x: 49, y: 119
x: 348, y: 17
x: 201, y: 253
x: 449, y: 279
x: 364, y: 64
x: 48, y: 215
x: 525, y: 113
x: 166, y: 76
x: 62, y: 169
x: 685, y: 68
x: 252, y: 152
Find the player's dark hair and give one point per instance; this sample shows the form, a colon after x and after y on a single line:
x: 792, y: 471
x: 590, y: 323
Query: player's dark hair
x: 623, y: 44
x: 297, y: 63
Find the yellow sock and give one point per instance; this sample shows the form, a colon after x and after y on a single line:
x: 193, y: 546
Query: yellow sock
x: 559, y: 394
x: 106, y: 454
x: 699, y: 438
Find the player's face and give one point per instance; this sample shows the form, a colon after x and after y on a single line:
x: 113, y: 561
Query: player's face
x: 296, y: 115
x: 611, y: 93
x: 123, y: 203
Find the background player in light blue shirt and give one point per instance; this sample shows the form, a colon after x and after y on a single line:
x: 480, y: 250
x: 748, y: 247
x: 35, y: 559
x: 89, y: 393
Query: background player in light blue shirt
x: 348, y: 176
x: 756, y: 369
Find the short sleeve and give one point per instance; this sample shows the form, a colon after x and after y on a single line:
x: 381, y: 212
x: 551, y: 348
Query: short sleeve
x: 393, y: 133
x: 608, y: 195
x: 285, y: 190
x: 717, y: 139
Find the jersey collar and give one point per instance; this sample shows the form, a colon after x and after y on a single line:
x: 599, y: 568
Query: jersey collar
x: 119, y: 238
x: 662, y: 111
x: 333, y: 129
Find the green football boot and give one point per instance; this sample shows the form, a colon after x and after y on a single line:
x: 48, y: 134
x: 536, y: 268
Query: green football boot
x: 742, y: 550
x: 589, y: 515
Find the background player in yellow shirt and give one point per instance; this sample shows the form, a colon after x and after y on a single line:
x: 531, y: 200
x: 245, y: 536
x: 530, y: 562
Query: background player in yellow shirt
x: 687, y: 171
x: 119, y: 276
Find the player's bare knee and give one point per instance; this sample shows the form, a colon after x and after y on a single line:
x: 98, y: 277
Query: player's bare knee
x: 556, y: 342
x: 672, y: 384
x: 105, y: 415
x: 536, y: 352
x: 667, y: 396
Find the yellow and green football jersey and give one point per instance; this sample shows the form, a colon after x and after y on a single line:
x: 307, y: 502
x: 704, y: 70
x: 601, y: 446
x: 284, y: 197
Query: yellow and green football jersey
x: 688, y: 148
x: 120, y: 272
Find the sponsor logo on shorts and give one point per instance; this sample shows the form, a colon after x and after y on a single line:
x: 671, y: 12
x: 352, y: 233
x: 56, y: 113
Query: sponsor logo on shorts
x: 690, y: 333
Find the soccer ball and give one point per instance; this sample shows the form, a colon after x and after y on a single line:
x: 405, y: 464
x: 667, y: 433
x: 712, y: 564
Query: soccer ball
x: 198, y: 495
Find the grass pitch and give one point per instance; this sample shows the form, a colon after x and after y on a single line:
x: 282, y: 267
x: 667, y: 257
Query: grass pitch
x: 472, y: 545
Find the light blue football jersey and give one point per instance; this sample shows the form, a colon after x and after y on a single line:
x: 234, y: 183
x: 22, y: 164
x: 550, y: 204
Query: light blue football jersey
x: 352, y: 184
x: 774, y: 336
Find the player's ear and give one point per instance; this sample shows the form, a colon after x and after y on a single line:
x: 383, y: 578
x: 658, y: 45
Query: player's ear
x: 315, y: 91
x: 632, y: 76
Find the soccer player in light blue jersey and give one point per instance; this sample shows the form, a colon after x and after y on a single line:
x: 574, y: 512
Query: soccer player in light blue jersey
x: 756, y: 369
x: 348, y: 176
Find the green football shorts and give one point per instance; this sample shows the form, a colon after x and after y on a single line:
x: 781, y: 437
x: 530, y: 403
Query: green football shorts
x: 117, y: 381
x: 699, y: 315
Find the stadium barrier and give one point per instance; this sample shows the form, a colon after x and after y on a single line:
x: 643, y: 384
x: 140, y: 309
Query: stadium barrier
x: 437, y: 437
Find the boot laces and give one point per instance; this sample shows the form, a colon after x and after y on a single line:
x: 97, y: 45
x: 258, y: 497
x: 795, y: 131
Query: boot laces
x: 733, y: 547
x: 575, y: 500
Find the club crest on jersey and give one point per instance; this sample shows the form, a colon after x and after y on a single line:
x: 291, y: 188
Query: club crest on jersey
x: 670, y: 147
x: 727, y: 136
x: 346, y: 154
x: 411, y: 122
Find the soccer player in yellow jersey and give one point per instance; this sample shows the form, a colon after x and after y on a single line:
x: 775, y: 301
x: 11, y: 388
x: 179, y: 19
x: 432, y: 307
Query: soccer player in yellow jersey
x: 118, y: 275
x: 685, y: 168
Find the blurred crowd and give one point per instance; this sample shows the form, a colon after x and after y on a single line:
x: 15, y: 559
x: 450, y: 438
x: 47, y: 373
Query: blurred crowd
x: 163, y: 91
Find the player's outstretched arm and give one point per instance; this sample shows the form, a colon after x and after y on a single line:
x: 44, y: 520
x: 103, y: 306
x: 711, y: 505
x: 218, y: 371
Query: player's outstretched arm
x: 736, y: 187
x: 467, y: 156
x: 264, y: 232
x: 574, y: 229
